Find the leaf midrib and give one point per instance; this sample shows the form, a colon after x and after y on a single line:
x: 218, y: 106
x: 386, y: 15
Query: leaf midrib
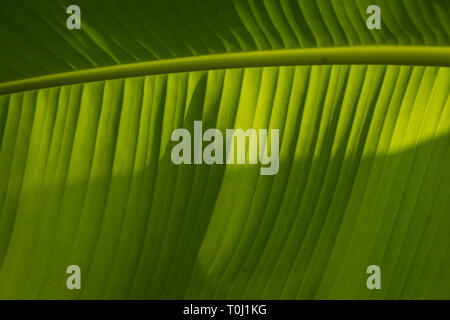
x: 368, y: 55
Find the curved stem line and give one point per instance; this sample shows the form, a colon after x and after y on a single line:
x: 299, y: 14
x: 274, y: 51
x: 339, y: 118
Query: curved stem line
x: 370, y: 55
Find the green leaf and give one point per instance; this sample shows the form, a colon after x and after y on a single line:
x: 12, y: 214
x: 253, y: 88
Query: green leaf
x: 86, y: 176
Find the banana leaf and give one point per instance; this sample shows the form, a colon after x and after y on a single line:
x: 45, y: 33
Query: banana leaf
x: 86, y: 176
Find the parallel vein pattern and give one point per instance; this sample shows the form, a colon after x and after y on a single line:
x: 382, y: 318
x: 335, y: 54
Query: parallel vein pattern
x: 86, y: 179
